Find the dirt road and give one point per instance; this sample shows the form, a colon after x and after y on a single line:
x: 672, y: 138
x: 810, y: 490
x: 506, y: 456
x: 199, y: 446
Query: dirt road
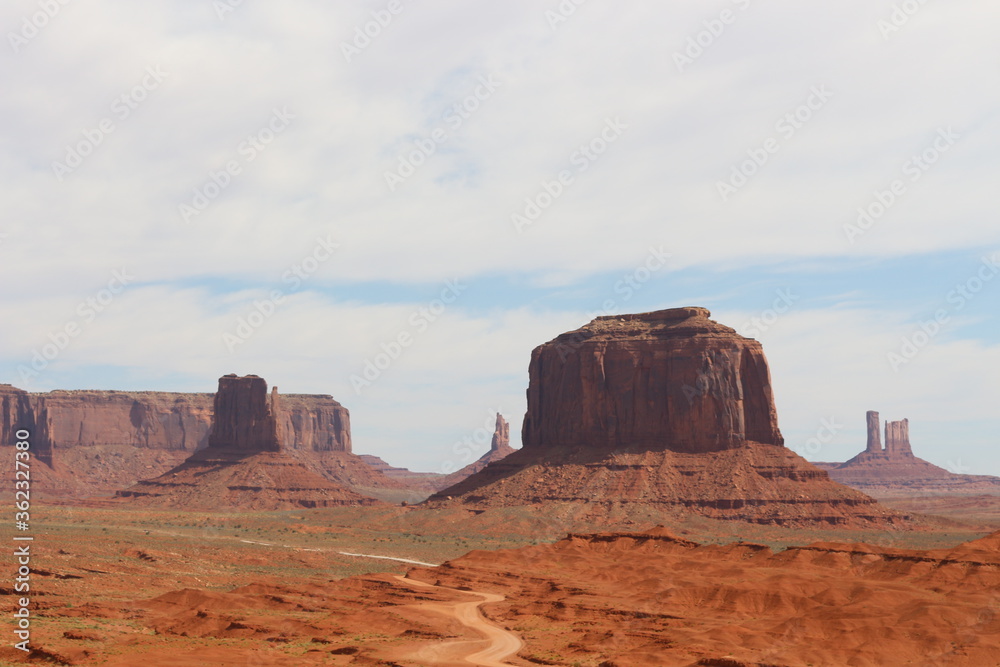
x: 499, y: 643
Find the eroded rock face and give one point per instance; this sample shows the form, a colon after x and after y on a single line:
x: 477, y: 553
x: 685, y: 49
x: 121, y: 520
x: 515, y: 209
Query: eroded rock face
x: 874, y: 437
x: 314, y: 423
x: 145, y: 420
x: 897, y: 438
x: 16, y: 414
x: 894, y: 471
x: 244, y: 418
x: 670, y: 379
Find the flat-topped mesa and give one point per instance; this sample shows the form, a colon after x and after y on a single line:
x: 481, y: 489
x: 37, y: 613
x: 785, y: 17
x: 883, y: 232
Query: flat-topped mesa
x: 245, y: 418
x: 670, y: 379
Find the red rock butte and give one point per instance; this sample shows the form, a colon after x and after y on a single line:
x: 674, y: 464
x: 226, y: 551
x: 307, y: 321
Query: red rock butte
x: 245, y: 416
x: 633, y: 416
x: 247, y: 464
x: 670, y: 379
x: 895, y: 471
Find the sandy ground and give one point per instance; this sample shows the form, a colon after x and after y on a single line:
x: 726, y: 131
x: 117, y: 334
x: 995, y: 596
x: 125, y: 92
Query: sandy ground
x: 319, y: 587
x: 498, y: 645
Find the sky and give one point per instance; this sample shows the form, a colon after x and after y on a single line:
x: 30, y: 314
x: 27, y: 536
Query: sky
x: 394, y: 202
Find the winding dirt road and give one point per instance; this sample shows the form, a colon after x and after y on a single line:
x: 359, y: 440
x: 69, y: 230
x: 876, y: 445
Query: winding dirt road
x: 500, y: 644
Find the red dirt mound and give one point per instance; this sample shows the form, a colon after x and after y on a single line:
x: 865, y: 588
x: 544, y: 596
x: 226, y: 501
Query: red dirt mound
x: 652, y: 599
x: 215, y: 479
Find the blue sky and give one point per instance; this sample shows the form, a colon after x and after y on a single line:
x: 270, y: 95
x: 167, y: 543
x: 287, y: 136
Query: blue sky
x: 283, y: 197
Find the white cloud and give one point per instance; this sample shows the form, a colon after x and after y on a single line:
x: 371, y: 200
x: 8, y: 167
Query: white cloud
x: 324, y: 175
x: 686, y: 131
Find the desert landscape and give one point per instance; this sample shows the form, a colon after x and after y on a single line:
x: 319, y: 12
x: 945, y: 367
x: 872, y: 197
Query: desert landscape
x: 462, y: 333
x: 637, y: 525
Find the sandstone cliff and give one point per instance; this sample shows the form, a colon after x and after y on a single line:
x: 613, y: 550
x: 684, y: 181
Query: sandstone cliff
x: 16, y: 414
x: 160, y: 420
x: 245, y: 417
x: 670, y: 379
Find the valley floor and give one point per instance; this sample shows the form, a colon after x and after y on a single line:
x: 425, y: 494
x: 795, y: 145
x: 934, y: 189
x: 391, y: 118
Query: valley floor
x: 112, y: 585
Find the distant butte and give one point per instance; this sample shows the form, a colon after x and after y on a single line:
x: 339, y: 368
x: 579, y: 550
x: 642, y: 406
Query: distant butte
x: 894, y: 470
x: 667, y: 411
x: 431, y: 482
x: 499, y: 449
x: 246, y: 465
